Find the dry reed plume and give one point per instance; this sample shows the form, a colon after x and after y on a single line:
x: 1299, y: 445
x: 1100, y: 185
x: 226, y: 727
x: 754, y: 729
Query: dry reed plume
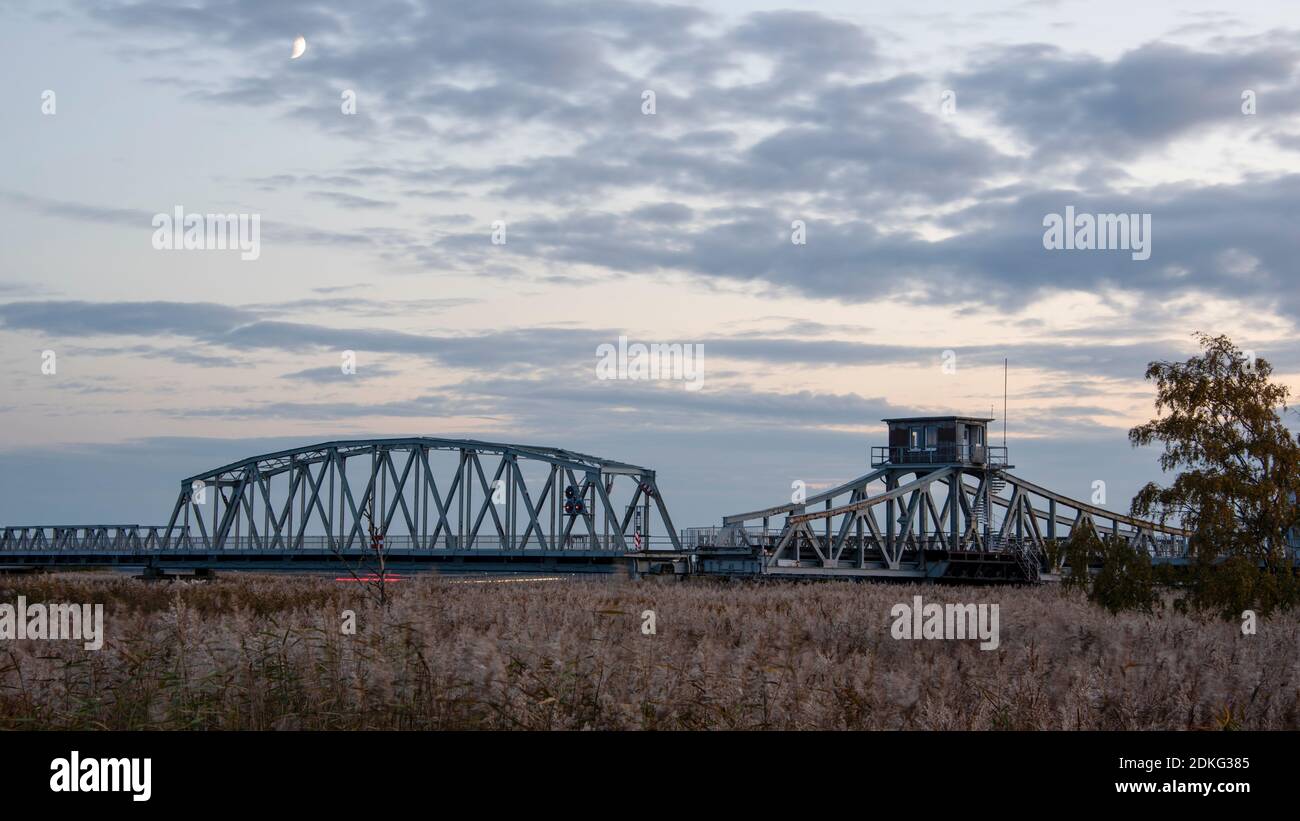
x: 248, y: 652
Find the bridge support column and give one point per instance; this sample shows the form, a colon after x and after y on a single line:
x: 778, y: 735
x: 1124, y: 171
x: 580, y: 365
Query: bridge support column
x: 954, y: 511
x: 891, y: 509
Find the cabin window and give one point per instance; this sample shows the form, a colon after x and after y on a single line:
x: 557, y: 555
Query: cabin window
x: 931, y: 437
x: 915, y: 436
x: 976, y: 436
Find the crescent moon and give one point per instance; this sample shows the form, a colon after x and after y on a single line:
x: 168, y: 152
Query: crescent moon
x: 299, y: 47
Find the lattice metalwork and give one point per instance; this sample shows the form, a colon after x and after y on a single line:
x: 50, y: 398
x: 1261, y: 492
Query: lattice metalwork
x: 914, y: 519
x: 417, y: 494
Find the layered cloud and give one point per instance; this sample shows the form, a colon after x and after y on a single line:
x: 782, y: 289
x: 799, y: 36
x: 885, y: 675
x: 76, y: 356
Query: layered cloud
x: 920, y: 167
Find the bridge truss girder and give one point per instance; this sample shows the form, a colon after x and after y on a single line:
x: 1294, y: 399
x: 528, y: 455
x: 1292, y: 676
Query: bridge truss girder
x: 944, y: 510
x: 414, y: 501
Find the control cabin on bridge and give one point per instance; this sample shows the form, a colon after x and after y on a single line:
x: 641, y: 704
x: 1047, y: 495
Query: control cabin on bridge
x: 939, y: 440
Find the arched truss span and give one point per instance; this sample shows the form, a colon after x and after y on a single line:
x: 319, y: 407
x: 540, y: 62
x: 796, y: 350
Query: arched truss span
x: 421, y: 493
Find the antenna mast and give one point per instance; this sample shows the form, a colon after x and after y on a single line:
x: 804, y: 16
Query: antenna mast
x: 1004, y: 401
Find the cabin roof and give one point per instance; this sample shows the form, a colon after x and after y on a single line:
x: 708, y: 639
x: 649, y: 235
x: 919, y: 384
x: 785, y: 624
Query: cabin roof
x: 981, y: 419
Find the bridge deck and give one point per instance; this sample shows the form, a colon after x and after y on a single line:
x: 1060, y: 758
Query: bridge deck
x: 325, y: 561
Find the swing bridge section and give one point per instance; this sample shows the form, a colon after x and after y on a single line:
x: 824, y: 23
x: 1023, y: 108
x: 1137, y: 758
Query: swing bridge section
x: 405, y: 503
x: 958, y: 520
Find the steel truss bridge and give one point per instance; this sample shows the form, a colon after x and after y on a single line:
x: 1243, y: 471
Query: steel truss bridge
x: 938, y: 521
x: 469, y: 505
x: 458, y: 504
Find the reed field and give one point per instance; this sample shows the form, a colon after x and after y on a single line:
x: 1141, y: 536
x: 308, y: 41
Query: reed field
x: 263, y: 652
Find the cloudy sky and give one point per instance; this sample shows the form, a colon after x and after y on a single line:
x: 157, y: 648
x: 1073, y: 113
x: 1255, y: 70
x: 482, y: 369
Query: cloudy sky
x: 920, y: 148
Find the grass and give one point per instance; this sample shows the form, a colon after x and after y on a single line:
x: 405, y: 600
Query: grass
x: 257, y: 652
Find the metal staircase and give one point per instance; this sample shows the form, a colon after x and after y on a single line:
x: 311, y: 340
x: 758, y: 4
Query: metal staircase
x: 996, y: 483
x: 1027, y: 559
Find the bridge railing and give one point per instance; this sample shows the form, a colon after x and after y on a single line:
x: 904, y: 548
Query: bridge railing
x: 405, y: 543
x: 45, y: 538
x: 148, y: 539
x: 694, y: 538
x: 942, y: 454
x: 1162, y: 548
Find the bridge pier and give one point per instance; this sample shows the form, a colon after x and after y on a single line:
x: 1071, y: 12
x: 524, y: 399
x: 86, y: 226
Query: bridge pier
x: 21, y: 570
x: 154, y: 573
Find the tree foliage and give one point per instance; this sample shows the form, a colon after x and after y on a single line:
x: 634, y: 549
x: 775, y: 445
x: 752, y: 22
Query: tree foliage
x: 1220, y: 423
x: 1124, y: 580
x: 1219, y: 419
